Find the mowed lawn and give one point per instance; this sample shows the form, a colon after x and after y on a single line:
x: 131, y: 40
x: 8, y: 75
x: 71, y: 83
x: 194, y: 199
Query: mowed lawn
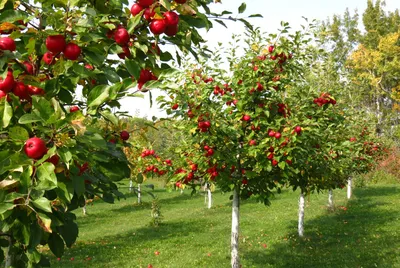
x: 362, y: 232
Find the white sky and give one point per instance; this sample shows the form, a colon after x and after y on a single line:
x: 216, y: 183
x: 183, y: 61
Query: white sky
x: 273, y: 13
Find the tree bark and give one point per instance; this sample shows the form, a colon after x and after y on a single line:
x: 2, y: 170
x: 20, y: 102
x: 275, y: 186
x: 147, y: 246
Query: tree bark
x: 130, y: 186
x: 84, y: 210
x: 139, y: 195
x: 301, y: 214
x: 330, y: 199
x: 349, y: 186
x: 235, y: 261
x: 9, y: 258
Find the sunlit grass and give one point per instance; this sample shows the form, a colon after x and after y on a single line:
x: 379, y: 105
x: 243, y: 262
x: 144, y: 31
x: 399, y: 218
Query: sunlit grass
x: 363, y: 232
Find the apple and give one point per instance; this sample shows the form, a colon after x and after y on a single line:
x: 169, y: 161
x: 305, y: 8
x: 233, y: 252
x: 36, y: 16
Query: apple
x: 180, y: 1
x: 171, y: 18
x: 136, y: 9
x: 32, y: 90
x: 158, y: 26
x: 171, y: 30
x: 271, y: 48
x: 7, y: 43
x: 74, y: 109
x: 72, y: 51
x: 260, y: 87
x: 48, y: 58
x: 278, y: 135
x: 246, y: 117
x: 28, y: 67
x: 252, y: 142
x: 121, y: 36
x: 4, y: 95
x: 274, y: 162
x: 270, y: 156
x: 352, y: 139
x: 54, y: 160
x: 7, y: 84
x: 145, y: 3
x: 271, y: 133
x: 210, y: 152
x: 149, y: 14
x: 21, y: 91
x: 55, y: 43
x: 245, y: 181
x: 297, y: 129
x: 175, y: 106
x: 126, y: 53
x: 89, y: 66
x: 124, y: 135
x: 35, y: 148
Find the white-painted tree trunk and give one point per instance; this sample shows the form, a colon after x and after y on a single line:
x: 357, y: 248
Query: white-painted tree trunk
x: 301, y: 215
x: 349, y: 187
x: 9, y: 256
x: 209, y: 197
x: 181, y: 191
x: 84, y: 209
x: 139, y: 194
x: 235, y: 261
x: 130, y: 186
x: 330, y: 199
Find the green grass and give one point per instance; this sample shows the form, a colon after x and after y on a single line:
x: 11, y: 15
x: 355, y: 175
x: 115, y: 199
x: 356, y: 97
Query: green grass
x: 365, y: 234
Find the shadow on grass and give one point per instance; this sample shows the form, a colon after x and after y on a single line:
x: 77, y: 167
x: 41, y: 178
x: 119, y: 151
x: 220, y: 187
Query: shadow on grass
x: 360, y: 236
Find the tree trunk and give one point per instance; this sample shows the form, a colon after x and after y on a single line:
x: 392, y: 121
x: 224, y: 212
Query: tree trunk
x: 209, y: 197
x: 181, y: 191
x: 235, y: 261
x: 349, y: 186
x: 84, y: 209
x: 9, y: 258
x: 139, y: 195
x: 330, y: 199
x: 301, y: 214
x: 130, y: 186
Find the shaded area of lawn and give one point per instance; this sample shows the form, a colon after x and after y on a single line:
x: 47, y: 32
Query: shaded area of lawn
x: 365, y: 233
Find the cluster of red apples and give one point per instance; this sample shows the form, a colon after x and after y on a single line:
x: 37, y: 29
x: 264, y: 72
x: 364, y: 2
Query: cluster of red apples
x: 166, y: 23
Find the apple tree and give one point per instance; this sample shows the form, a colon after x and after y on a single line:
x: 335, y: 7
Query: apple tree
x: 64, y: 65
x: 243, y: 137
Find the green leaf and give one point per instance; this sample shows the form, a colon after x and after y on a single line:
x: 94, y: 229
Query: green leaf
x: 79, y: 185
x: 69, y: 232
x: 109, y: 116
x: 42, y: 108
x: 256, y: 16
x: 11, y: 15
x: 134, y: 21
x: 64, y: 192
x: 242, y: 8
x: 165, y: 4
x: 5, y: 113
x: 56, y: 245
x: 97, y: 96
x: 29, y: 118
x: 42, y: 203
x: 6, y: 206
x: 44, y: 221
x: 18, y: 133
x: 133, y: 68
x: 25, y: 178
x: 139, y: 178
x: 281, y: 165
x: 221, y: 22
x: 46, y: 176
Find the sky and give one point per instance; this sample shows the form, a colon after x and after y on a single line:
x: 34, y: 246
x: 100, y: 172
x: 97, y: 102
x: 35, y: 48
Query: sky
x: 273, y: 12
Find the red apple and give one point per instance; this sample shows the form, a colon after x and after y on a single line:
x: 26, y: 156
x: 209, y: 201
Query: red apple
x: 72, y: 51
x: 136, y: 9
x: 35, y: 148
x: 21, y: 91
x: 271, y: 49
x: 158, y: 26
x: 48, y: 58
x: 32, y: 90
x: 4, y: 95
x: 28, y: 67
x: 7, y: 43
x: 54, y: 159
x: 149, y: 14
x: 180, y: 1
x: 89, y: 66
x: 55, y: 43
x: 74, y: 109
x: 124, y: 135
x: 278, y: 135
x: 271, y: 133
x: 145, y: 3
x: 252, y: 142
x: 7, y: 84
x: 171, y: 30
x: 274, y: 162
x: 246, y: 117
x: 171, y: 18
x: 175, y: 106
x: 121, y: 36
x: 126, y: 53
x: 297, y: 129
